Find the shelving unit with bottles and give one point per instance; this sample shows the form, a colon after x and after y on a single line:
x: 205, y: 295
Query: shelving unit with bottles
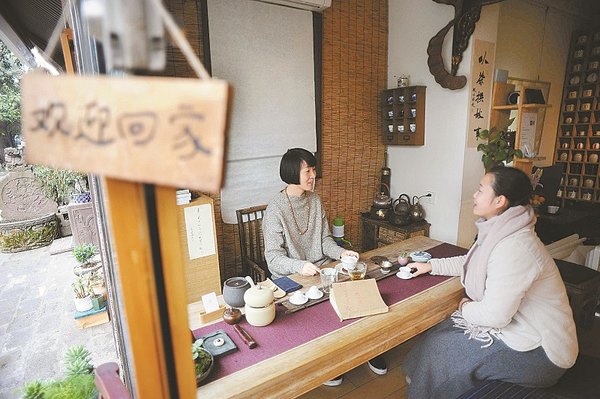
x: 403, y: 115
x: 524, y: 109
x: 578, y: 136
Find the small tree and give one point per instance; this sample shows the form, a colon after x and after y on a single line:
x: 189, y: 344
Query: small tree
x: 11, y: 71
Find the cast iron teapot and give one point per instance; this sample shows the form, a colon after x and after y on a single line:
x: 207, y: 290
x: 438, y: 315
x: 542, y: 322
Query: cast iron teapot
x: 417, y: 213
x: 401, y: 211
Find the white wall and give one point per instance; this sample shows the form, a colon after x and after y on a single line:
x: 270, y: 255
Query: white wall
x: 438, y: 165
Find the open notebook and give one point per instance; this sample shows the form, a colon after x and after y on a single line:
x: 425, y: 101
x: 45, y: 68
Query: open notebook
x: 358, y: 298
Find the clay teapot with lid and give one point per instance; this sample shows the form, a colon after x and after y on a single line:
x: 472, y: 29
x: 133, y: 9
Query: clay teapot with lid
x: 260, y: 309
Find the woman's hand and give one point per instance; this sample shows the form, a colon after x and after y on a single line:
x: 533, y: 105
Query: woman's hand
x: 421, y: 267
x: 309, y: 269
x: 349, y: 253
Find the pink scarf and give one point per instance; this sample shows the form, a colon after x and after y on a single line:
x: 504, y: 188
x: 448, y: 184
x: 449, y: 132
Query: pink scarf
x: 490, y: 232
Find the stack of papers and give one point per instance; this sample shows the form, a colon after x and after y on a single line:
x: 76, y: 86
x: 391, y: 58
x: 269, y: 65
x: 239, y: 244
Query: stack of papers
x: 358, y: 298
x: 183, y: 197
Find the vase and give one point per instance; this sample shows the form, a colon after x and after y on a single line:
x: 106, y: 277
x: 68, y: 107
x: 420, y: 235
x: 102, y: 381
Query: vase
x: 83, y: 304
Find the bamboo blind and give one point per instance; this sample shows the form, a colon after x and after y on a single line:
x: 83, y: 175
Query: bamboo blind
x: 354, y: 73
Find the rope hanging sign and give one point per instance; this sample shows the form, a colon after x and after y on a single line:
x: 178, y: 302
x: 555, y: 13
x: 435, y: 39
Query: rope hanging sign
x: 167, y: 131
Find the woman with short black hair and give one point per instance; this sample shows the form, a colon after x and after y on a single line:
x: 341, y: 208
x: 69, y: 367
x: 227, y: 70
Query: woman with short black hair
x: 295, y: 226
x: 515, y: 325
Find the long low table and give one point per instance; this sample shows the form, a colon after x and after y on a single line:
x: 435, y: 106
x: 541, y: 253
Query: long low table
x: 305, y: 367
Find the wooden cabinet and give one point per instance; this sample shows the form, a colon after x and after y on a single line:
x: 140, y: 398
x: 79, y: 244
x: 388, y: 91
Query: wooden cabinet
x: 403, y: 115
x: 378, y: 233
x: 525, y: 101
x: 578, y: 136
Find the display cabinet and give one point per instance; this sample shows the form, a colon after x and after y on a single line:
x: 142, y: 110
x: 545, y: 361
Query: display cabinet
x: 578, y: 136
x: 403, y: 115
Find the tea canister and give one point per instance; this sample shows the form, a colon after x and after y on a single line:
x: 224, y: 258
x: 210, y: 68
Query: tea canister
x: 587, y: 93
x: 577, y: 157
x: 593, y: 158
x: 589, y: 183
x: 572, y: 94
x: 580, y: 146
x: 563, y: 156
x: 568, y: 120
x: 573, y: 181
x: 586, y: 106
x: 596, y: 146
x: 572, y: 194
x: 587, y: 196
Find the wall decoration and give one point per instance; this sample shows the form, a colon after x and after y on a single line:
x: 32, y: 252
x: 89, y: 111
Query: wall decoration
x: 466, y: 15
x: 482, y: 74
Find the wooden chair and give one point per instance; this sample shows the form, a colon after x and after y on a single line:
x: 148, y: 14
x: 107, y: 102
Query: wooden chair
x: 108, y: 383
x: 252, y: 242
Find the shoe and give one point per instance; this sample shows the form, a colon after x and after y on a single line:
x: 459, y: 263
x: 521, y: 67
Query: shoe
x: 335, y: 381
x: 378, y: 365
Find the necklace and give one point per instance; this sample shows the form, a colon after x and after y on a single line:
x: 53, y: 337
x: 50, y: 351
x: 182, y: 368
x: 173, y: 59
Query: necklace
x: 294, y: 215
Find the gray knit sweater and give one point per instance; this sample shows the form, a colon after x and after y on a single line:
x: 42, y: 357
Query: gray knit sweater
x: 286, y: 250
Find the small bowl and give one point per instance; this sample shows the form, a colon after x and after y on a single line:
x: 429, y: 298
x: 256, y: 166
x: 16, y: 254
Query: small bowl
x: 420, y: 256
x: 552, y: 209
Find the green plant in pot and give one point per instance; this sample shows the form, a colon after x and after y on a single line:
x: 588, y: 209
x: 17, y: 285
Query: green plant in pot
x: 496, y: 149
x: 60, y: 184
x: 81, y: 291
x: 203, y: 360
x: 85, y: 255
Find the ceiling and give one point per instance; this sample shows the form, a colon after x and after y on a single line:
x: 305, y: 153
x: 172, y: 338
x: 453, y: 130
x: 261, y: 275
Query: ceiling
x: 32, y: 20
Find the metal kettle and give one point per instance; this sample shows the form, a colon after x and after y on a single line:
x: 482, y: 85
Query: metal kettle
x: 381, y: 205
x: 417, y: 213
x: 401, y: 211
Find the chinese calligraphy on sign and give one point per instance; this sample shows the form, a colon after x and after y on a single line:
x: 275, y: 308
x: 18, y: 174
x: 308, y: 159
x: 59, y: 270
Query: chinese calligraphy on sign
x: 482, y: 75
x: 165, y: 131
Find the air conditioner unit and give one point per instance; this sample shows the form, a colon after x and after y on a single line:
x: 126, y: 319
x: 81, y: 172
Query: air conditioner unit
x: 311, y: 5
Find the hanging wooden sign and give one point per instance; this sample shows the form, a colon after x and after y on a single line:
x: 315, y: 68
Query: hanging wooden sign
x: 166, y: 131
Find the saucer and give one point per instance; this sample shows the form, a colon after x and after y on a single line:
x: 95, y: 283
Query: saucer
x: 404, y: 275
x: 301, y: 301
x: 318, y: 294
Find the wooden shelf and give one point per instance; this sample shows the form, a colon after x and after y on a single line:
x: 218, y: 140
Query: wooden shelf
x: 403, y: 115
x: 578, y: 137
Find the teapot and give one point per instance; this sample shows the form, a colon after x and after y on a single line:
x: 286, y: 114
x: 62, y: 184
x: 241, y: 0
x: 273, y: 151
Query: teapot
x: 417, y: 213
x: 260, y: 309
x: 401, y: 211
x: 381, y: 205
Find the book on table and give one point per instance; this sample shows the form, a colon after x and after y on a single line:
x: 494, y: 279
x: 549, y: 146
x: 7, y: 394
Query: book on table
x: 359, y: 298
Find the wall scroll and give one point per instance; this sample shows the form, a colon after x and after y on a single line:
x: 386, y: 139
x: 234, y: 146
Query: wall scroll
x: 165, y: 131
x: 482, y: 74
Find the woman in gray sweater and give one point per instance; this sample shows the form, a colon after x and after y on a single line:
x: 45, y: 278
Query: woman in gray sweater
x: 295, y: 227
x: 296, y: 230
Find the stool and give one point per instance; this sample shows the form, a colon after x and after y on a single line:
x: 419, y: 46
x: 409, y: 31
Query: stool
x: 583, y: 290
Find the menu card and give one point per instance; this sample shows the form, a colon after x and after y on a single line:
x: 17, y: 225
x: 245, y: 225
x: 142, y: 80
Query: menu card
x: 358, y: 298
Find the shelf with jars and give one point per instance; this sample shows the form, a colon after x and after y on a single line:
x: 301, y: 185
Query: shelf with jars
x: 578, y: 136
x: 403, y: 115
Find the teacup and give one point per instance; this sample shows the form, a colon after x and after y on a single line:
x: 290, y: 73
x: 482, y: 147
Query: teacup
x: 552, y: 209
x: 314, y: 292
x: 298, y: 298
x: 391, y: 128
x: 349, y: 262
x: 385, y: 266
x: 413, y: 112
x: 401, y: 128
x: 413, y: 127
x: 357, y: 273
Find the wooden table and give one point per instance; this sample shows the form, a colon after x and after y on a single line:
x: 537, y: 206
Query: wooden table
x: 303, y: 368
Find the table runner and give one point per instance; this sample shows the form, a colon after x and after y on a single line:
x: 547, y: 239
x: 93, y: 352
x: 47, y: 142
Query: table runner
x: 291, y: 330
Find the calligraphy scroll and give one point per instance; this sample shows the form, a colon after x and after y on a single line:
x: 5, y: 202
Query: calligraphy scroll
x: 482, y: 68
x: 166, y: 131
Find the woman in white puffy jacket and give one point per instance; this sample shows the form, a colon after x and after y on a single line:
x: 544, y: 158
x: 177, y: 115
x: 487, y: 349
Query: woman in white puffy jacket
x: 515, y: 324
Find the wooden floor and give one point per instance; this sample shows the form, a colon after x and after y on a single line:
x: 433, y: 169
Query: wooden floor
x: 362, y: 383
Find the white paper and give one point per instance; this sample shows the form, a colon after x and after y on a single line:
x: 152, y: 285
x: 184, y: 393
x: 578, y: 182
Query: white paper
x: 199, y: 227
x: 528, y: 128
x: 210, y: 302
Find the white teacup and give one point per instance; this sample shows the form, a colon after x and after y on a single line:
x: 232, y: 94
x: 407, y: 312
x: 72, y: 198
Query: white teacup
x: 349, y: 262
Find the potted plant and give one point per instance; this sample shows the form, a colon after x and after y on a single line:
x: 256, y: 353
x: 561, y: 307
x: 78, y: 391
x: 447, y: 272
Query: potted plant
x: 60, y: 184
x: 203, y: 360
x: 497, y: 149
x: 83, y: 298
x: 85, y: 255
